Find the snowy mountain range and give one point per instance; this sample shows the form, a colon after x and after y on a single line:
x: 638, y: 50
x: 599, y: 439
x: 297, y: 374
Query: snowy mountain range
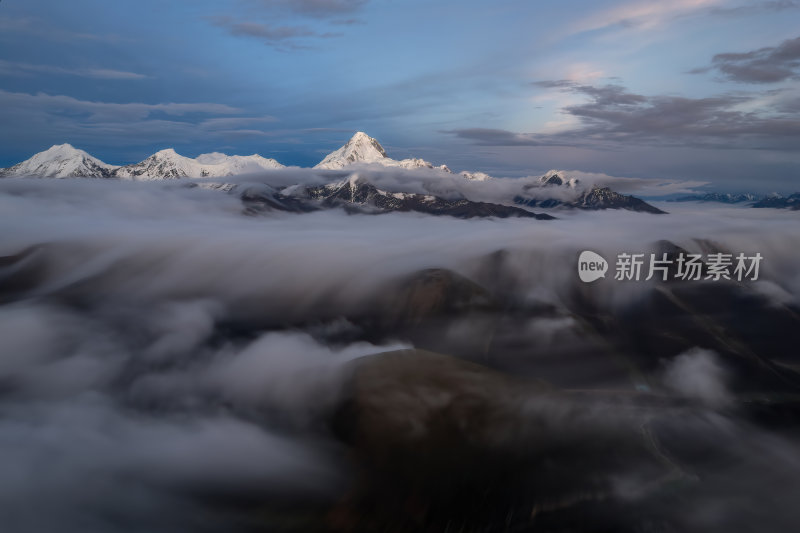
x: 65, y: 161
x: 361, y: 154
x: 168, y: 164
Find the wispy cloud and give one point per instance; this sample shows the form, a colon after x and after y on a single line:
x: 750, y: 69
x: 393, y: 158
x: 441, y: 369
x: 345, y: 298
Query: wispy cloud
x: 280, y: 37
x: 110, y: 74
x: 640, y: 15
x: 499, y: 137
x: 765, y: 65
x: 237, y: 122
x: 316, y: 8
x: 22, y: 69
x: 98, y: 111
x: 123, y: 124
x: 648, y: 15
x: 751, y: 8
x: 44, y: 30
x: 347, y: 22
x: 291, y: 34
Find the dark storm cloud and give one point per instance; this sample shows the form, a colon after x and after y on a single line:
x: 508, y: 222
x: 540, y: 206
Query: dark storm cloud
x: 615, y: 115
x: 765, y: 65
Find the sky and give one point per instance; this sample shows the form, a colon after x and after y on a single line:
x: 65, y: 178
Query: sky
x: 696, y: 90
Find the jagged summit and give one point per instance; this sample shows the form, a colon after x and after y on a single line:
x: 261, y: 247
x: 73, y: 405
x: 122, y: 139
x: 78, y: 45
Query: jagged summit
x: 361, y: 139
x: 558, y: 177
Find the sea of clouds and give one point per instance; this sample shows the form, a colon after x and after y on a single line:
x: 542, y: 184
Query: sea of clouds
x: 126, y: 398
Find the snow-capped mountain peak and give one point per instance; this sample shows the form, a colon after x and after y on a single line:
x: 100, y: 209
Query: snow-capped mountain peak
x: 164, y: 164
x: 361, y: 148
x: 61, y: 161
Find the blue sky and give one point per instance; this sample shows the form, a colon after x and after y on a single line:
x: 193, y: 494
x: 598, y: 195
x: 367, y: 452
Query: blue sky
x: 703, y: 90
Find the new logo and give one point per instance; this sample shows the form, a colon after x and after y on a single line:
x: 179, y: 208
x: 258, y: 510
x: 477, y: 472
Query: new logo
x: 591, y: 266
